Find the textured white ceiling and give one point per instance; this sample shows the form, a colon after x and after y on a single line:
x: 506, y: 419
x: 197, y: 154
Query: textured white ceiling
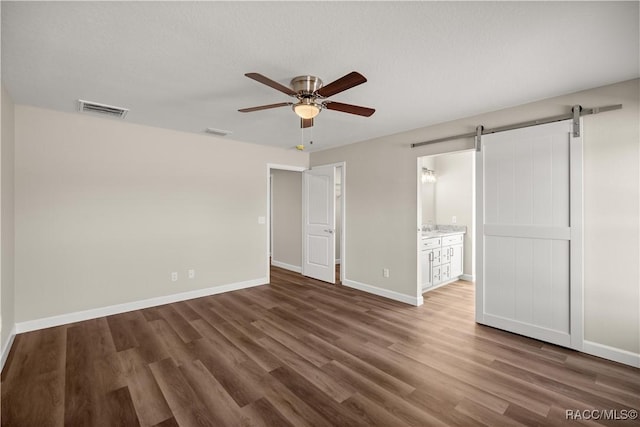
x: 181, y: 65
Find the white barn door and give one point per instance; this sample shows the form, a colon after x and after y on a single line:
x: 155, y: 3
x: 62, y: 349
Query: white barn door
x: 319, y: 246
x: 529, y: 233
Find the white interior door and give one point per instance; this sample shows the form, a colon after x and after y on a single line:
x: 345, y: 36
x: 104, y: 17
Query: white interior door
x: 319, y: 239
x: 529, y: 233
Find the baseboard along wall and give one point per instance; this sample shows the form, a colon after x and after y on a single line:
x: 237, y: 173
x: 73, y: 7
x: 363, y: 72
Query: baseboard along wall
x: 611, y: 353
x: 407, y: 299
x: 290, y: 267
x: 6, y: 348
x: 63, y: 319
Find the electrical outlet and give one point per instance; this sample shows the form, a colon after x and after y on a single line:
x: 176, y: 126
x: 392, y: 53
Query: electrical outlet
x: 385, y: 272
x: 174, y: 276
x: 454, y: 220
x: 191, y: 274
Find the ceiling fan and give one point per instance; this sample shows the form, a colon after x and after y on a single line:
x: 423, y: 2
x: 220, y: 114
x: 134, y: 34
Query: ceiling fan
x: 311, y: 96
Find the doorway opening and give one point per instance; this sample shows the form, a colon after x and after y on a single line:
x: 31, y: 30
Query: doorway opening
x: 446, y: 219
x: 284, y: 222
x: 286, y: 216
x: 286, y: 219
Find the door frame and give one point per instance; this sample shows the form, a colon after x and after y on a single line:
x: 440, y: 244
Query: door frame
x: 270, y: 167
x: 576, y: 223
x: 343, y: 256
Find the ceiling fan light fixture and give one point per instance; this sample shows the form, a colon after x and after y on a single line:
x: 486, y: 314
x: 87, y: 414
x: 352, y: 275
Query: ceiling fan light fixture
x: 306, y: 109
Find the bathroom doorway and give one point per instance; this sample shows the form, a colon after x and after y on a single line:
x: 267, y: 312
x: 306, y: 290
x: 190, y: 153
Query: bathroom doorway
x: 446, y: 219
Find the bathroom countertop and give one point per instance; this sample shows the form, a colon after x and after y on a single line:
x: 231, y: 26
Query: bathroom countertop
x: 429, y: 234
x: 444, y: 230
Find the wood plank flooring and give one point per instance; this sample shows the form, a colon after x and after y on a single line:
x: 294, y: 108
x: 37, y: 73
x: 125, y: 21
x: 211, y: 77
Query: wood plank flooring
x: 299, y: 352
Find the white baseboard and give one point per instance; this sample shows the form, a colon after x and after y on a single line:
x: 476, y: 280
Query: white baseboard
x: 7, y: 347
x: 286, y: 266
x: 611, y: 353
x: 78, y: 316
x: 396, y: 296
x: 467, y: 278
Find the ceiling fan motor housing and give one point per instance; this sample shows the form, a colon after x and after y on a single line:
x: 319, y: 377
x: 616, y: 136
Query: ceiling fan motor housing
x: 305, y: 86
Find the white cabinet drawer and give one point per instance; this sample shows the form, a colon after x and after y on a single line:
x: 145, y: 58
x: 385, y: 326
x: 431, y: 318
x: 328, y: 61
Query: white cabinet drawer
x: 437, y: 278
x: 445, y: 272
x: 436, y: 258
x: 452, y: 240
x: 431, y: 243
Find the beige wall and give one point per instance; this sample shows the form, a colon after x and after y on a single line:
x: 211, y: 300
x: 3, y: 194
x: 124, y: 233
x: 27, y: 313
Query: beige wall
x: 381, y: 205
x: 106, y: 210
x: 454, y: 196
x: 7, y: 292
x: 287, y: 217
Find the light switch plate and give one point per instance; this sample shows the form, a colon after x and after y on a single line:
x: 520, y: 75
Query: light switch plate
x: 262, y: 220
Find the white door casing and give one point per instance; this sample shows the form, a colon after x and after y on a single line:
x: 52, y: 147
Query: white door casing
x: 318, y: 251
x: 529, y: 233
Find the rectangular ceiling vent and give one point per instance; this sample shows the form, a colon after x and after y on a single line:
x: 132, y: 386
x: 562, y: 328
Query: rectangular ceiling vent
x: 103, y: 109
x: 218, y: 132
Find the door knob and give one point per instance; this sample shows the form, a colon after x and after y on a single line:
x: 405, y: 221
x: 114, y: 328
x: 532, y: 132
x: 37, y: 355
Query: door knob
x: 329, y: 231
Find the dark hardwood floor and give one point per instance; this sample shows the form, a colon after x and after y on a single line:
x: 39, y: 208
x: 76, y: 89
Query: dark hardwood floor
x: 299, y: 352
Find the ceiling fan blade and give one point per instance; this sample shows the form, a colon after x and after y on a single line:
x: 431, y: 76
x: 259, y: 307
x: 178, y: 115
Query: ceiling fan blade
x: 267, y: 81
x: 343, y: 83
x: 306, y: 123
x: 348, y: 108
x: 265, y: 107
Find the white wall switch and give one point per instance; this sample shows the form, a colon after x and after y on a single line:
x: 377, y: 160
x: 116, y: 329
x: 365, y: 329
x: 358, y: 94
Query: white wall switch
x: 191, y: 274
x: 262, y: 220
x: 174, y: 276
x: 385, y: 272
x: 454, y: 220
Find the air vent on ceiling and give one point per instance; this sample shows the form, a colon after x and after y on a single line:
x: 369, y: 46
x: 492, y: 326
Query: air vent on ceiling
x: 103, y: 109
x: 219, y: 132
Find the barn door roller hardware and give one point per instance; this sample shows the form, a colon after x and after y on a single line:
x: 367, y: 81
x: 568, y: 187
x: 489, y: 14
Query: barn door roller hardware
x: 576, y: 112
